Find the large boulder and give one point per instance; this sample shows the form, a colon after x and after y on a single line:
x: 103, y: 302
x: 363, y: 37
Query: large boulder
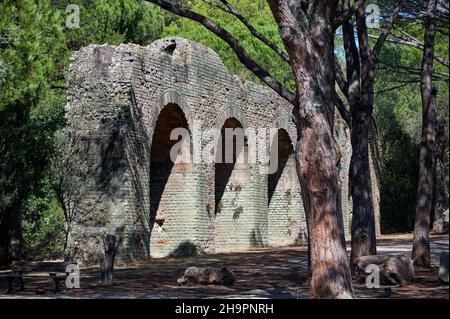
x: 394, y: 269
x: 443, y: 267
x: 207, y: 276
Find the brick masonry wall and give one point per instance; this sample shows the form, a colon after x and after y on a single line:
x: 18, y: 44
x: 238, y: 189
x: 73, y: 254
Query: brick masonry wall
x: 116, y: 95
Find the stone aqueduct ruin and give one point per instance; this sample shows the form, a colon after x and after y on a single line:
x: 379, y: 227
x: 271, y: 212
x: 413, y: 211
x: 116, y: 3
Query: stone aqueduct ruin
x: 123, y: 103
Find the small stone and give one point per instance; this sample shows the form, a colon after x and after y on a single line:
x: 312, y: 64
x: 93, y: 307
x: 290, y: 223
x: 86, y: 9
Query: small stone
x: 207, y: 276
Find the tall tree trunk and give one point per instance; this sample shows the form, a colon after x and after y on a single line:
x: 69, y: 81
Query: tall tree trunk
x: 67, y: 253
x: 316, y: 156
x: 438, y: 224
x: 307, y: 29
x: 363, y: 218
x: 107, y: 262
x: 16, y: 246
x: 359, y: 92
x: 312, y: 61
x: 358, y: 89
x: 421, y: 240
x: 4, y: 240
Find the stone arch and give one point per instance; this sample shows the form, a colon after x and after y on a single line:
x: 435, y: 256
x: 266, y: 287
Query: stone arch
x: 283, y: 187
x: 232, y: 113
x: 282, y: 123
x: 157, y: 75
x: 172, y: 178
x: 233, y: 217
x: 170, y: 97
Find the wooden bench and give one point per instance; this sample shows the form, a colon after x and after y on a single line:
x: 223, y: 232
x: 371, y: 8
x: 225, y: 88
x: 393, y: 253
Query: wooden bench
x: 35, y: 269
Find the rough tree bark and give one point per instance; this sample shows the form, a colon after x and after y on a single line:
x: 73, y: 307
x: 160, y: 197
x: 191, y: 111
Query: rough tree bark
x: 309, y: 41
x: 107, y: 262
x: 421, y: 241
x: 363, y: 232
x: 307, y: 29
x: 357, y: 86
x: 438, y: 224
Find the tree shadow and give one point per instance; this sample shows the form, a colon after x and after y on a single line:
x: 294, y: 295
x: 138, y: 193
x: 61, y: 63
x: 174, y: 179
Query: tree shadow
x: 186, y: 248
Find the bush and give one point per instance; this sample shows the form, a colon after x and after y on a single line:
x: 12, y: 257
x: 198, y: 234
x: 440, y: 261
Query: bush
x: 43, y: 228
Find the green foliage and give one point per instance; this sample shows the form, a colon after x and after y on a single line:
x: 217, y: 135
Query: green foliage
x: 113, y: 22
x: 32, y: 60
x: 259, y: 15
x: 398, y: 113
x: 35, y: 46
x: 101, y: 217
x: 31, y: 52
x: 399, y: 116
x: 399, y: 174
x: 27, y: 112
x: 235, y: 187
x: 43, y: 227
x: 26, y: 144
x: 237, y: 212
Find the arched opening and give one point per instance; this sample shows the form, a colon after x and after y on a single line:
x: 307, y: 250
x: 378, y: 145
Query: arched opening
x: 284, y: 212
x: 172, y: 210
x: 233, y: 225
x: 284, y: 153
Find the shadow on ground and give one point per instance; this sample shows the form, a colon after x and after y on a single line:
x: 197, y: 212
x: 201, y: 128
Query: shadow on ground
x: 261, y: 273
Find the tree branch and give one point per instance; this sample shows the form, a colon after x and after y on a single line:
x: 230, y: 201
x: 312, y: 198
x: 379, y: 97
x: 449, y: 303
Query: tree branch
x: 242, y: 55
x: 352, y: 59
x: 407, y: 69
x: 363, y: 39
x: 231, y: 10
x: 346, y: 15
x: 417, y: 45
x: 386, y: 30
x: 340, y: 77
x: 442, y: 7
x: 392, y: 88
x: 345, y: 114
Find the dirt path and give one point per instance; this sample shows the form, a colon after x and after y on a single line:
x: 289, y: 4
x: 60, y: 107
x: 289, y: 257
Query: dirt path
x: 261, y: 273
